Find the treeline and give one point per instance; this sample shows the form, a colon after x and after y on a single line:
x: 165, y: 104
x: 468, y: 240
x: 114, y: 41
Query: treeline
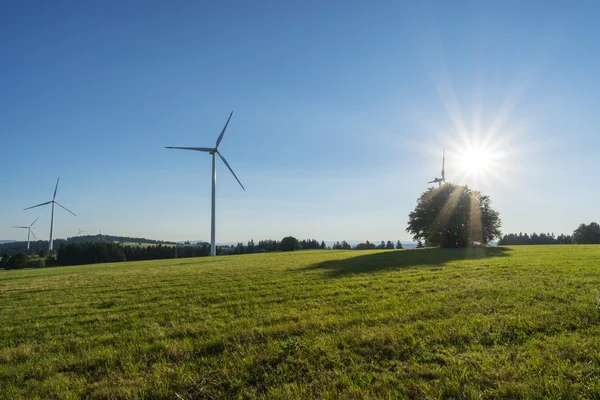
x: 266, y: 246
x: 367, y: 245
x: 104, y: 252
x: 543, y: 238
x: 20, y: 260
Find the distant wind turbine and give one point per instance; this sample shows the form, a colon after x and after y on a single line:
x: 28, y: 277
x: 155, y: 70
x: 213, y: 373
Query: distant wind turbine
x: 442, y: 179
x: 53, y: 202
x: 213, y: 151
x: 79, y: 232
x: 29, y: 231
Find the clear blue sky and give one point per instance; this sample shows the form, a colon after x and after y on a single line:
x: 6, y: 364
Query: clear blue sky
x: 341, y: 111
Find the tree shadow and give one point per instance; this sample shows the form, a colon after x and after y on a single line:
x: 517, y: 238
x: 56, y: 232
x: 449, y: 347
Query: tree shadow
x: 404, y: 259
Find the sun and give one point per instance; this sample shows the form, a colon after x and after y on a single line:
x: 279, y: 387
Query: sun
x: 478, y: 164
x: 476, y: 160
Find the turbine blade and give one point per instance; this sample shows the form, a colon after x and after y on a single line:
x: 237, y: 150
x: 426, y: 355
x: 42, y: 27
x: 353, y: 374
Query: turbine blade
x: 443, y: 164
x: 43, y: 204
x: 227, y: 164
x: 24, y: 227
x: 223, y: 131
x: 65, y: 208
x: 31, y: 230
x: 55, y: 189
x: 34, y: 222
x: 206, y: 149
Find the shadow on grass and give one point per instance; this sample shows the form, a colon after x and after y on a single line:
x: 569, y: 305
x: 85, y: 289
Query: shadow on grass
x: 392, y: 260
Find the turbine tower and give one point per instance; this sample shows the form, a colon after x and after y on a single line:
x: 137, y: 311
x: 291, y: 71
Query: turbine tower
x: 29, y: 231
x: 212, y: 151
x: 443, y: 178
x: 53, y: 202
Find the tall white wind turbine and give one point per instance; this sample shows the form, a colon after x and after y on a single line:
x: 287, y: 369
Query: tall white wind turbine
x: 53, y: 202
x: 213, y: 151
x: 29, y: 231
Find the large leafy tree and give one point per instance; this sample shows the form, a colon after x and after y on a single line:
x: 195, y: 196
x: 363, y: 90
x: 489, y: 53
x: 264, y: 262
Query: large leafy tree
x: 587, y: 234
x: 289, y: 243
x: 454, y: 216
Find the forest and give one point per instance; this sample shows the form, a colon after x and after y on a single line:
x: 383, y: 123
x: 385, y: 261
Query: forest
x: 93, y: 252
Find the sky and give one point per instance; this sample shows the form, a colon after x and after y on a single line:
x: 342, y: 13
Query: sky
x: 342, y: 110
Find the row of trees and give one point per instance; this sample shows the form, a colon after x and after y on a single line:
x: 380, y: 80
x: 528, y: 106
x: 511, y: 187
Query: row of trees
x: 71, y: 253
x: 20, y: 260
x: 103, y: 252
x: 543, y: 238
x: 584, y: 234
x: 367, y: 245
x: 290, y: 243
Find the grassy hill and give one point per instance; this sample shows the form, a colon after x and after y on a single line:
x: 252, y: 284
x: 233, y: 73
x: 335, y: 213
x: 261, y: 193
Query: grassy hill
x: 496, y: 323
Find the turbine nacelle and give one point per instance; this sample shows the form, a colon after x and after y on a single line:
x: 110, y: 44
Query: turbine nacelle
x: 214, y: 150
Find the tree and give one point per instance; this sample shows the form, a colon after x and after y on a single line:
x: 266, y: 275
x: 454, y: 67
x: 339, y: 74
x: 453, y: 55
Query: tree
x: 389, y: 245
x: 587, y: 234
x: 419, y: 244
x: 398, y: 245
x: 4, y: 261
x: 323, y: 246
x: 454, y: 216
x: 17, y: 261
x: 289, y: 243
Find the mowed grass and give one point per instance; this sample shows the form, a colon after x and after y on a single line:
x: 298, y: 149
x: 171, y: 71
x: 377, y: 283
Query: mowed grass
x: 520, y: 322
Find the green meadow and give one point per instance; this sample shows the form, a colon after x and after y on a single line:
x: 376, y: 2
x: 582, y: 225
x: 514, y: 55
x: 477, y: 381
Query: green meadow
x: 515, y: 322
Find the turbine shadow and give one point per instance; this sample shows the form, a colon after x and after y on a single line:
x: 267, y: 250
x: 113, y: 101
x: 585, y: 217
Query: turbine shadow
x: 405, y: 259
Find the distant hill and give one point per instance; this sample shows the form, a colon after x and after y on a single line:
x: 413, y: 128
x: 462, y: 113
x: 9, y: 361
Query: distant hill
x: 11, y: 247
x: 118, y: 239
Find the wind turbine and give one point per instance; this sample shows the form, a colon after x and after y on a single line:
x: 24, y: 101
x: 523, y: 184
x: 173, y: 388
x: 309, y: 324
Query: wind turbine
x: 442, y: 179
x: 80, y: 232
x: 212, y: 151
x: 29, y: 231
x: 53, y: 202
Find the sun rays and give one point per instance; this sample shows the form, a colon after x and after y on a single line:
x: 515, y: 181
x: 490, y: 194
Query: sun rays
x: 483, y: 126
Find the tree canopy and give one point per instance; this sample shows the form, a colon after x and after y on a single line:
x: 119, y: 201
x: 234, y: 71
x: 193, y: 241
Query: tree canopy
x: 290, y: 243
x: 454, y: 216
x: 587, y: 234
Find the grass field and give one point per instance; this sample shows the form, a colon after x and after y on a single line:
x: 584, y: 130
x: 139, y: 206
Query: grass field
x: 521, y: 322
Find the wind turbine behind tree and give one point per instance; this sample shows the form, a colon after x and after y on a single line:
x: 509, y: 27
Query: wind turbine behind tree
x: 443, y: 178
